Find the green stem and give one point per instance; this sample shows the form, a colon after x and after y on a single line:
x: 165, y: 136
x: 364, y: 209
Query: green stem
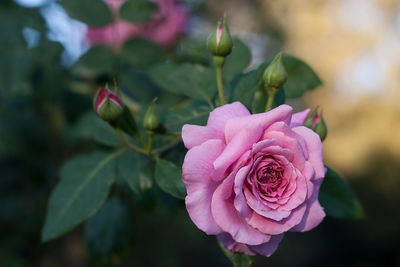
x: 168, y: 146
x: 219, y: 61
x: 271, y: 97
x: 149, y: 142
x: 129, y: 144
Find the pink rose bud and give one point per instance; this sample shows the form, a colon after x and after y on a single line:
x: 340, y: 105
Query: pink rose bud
x: 316, y: 122
x: 220, y: 43
x: 107, y: 104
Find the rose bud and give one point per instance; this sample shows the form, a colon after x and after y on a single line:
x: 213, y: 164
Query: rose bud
x: 150, y: 122
x: 107, y: 104
x: 275, y: 74
x: 219, y: 42
x: 316, y: 122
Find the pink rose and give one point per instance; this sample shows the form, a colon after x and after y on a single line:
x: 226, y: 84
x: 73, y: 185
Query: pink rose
x: 251, y: 178
x: 164, y: 28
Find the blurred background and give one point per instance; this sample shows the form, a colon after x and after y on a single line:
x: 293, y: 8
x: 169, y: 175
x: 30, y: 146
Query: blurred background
x: 354, y: 45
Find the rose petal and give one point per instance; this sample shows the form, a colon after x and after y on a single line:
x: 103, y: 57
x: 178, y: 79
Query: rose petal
x: 234, y: 246
x: 228, y: 219
x: 314, y: 213
x: 219, y: 116
x: 194, y: 135
x: 196, y: 169
x: 267, y: 249
x: 235, y: 125
x: 299, y: 118
x: 241, y: 143
x: 272, y: 227
x: 314, y: 147
x: 240, y: 201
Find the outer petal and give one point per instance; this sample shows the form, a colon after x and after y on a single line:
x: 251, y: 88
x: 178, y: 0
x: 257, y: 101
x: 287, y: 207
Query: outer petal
x: 267, y: 249
x: 219, y: 116
x: 234, y: 246
x: 242, y: 142
x: 314, y: 147
x: 196, y: 169
x: 235, y: 125
x: 299, y: 118
x: 194, y: 135
x: 314, y: 213
x: 272, y: 227
x: 227, y: 218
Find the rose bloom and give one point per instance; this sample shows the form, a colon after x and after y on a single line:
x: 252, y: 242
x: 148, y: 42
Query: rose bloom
x: 251, y: 178
x: 164, y: 28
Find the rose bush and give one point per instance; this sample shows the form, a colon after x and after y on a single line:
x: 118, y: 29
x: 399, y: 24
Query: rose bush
x: 251, y: 178
x: 164, y: 28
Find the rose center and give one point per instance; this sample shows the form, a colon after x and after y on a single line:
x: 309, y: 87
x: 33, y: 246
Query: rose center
x: 269, y: 178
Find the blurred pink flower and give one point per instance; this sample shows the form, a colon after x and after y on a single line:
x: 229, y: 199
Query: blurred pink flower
x: 251, y: 178
x: 164, y: 28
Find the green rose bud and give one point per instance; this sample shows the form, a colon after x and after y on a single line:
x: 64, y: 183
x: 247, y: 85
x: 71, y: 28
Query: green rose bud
x: 107, y: 104
x: 150, y: 122
x: 219, y: 42
x: 316, y: 122
x: 275, y: 74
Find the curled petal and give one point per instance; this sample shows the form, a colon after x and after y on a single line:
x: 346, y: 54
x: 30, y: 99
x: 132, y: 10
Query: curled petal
x: 235, y: 125
x: 314, y: 147
x: 228, y: 219
x: 242, y: 142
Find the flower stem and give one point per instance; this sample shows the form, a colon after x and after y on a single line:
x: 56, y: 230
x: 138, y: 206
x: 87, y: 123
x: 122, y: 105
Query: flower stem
x: 129, y: 144
x: 271, y: 97
x: 149, y: 142
x: 219, y: 61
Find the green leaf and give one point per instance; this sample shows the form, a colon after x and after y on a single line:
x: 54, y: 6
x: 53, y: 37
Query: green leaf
x: 91, y: 12
x: 237, y: 259
x: 338, y: 199
x: 195, y: 81
x: 245, y: 86
x: 237, y: 61
x: 169, y: 178
x: 91, y: 126
x: 110, y: 229
x: 137, y: 172
x: 98, y: 60
x: 192, y: 113
x: 301, y: 77
x: 83, y: 188
x: 141, y: 53
x: 137, y: 10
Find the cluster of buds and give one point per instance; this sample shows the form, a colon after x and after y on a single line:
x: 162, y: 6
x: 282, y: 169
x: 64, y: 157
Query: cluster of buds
x: 316, y: 122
